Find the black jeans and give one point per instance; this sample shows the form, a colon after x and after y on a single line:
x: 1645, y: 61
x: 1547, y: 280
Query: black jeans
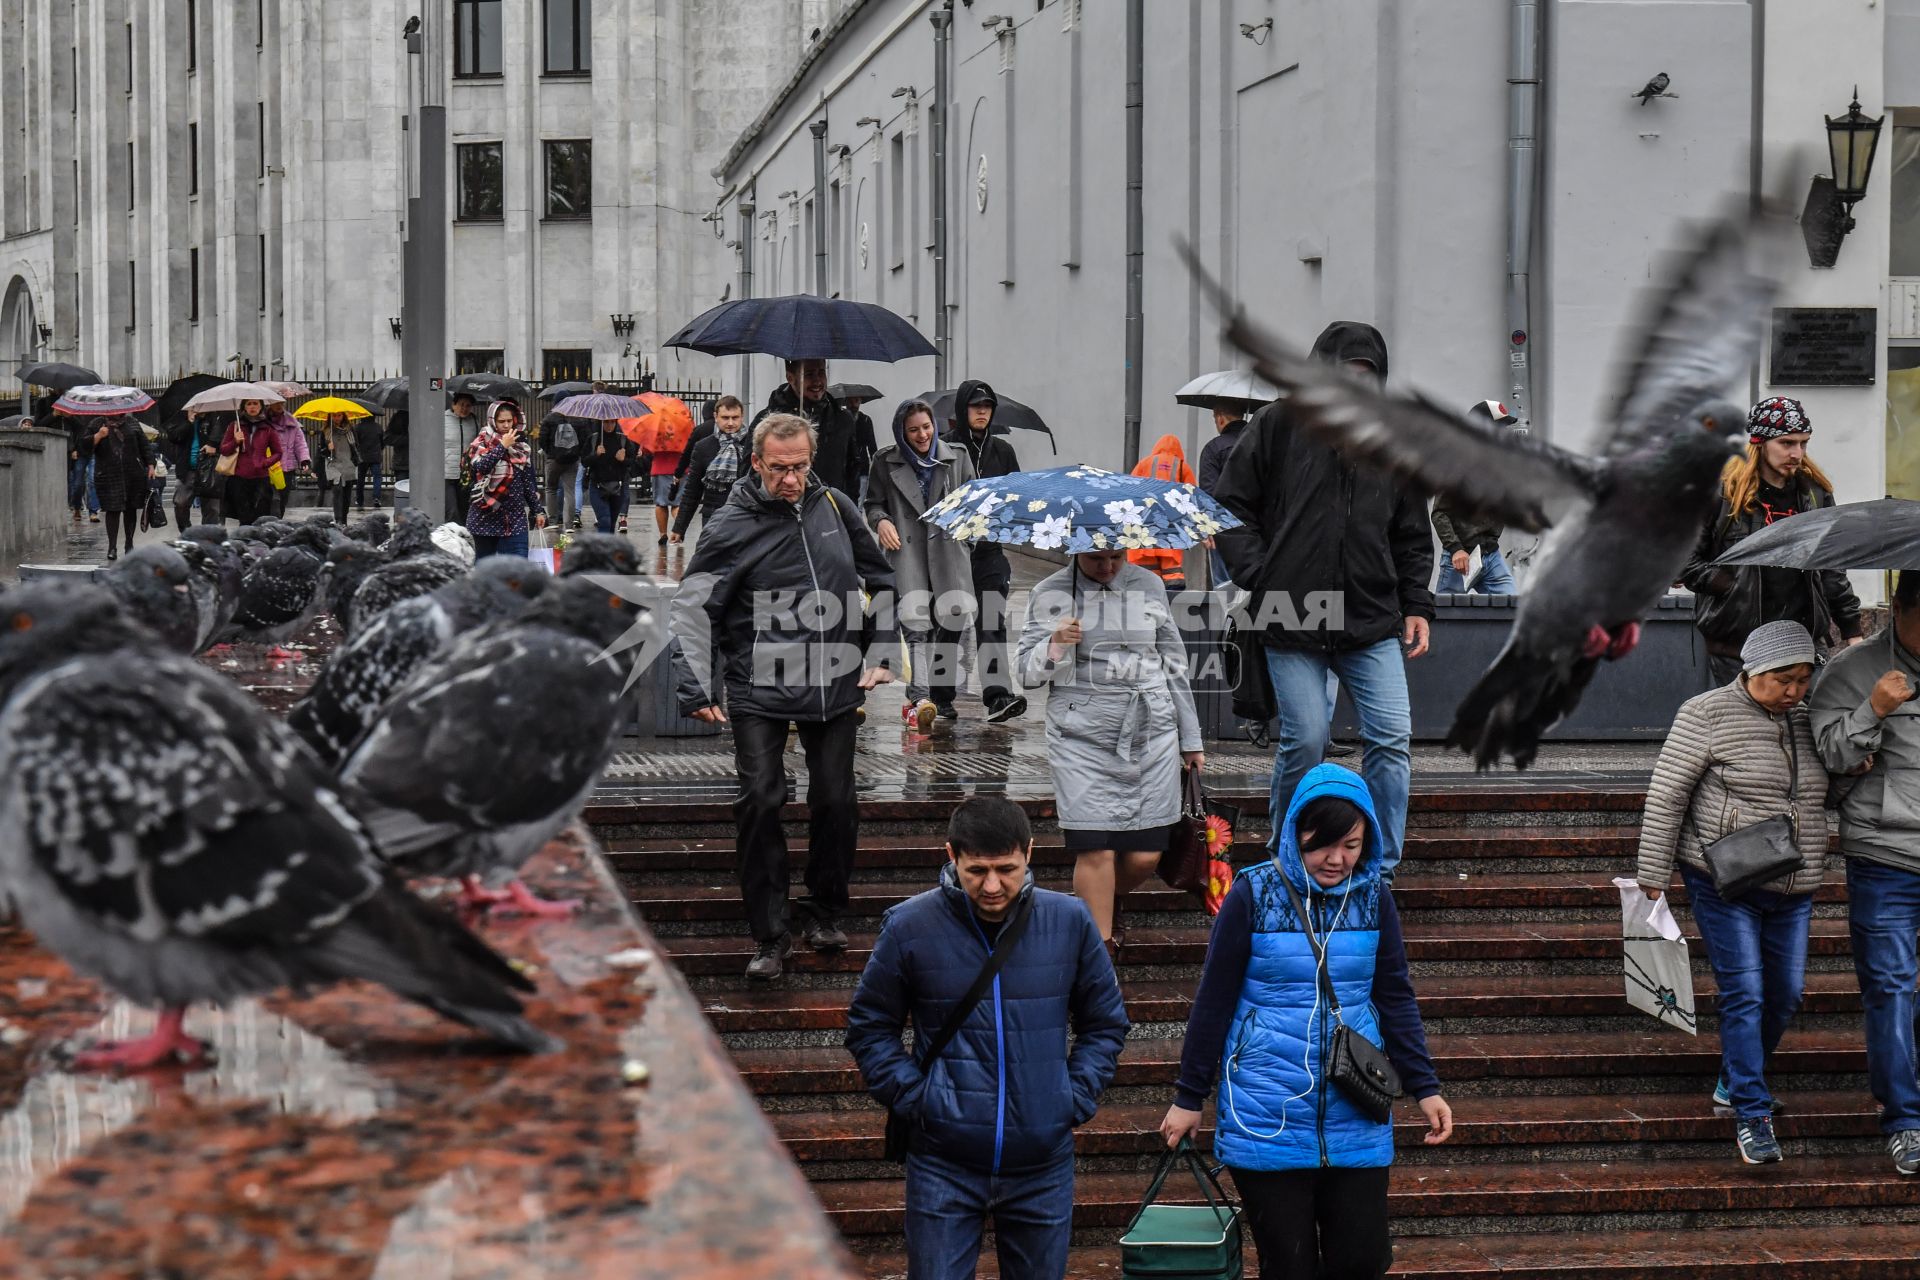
x: 458, y: 495
x: 833, y: 818
x: 992, y: 576
x: 246, y: 500
x: 1318, y: 1224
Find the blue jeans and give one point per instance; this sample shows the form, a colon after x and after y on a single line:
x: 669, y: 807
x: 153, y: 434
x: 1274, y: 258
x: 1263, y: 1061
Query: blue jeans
x: 505, y: 544
x: 947, y: 1209
x: 1883, y: 912
x: 1493, y: 579
x: 1376, y: 680
x: 606, y: 511
x: 1758, y: 949
x: 360, y: 485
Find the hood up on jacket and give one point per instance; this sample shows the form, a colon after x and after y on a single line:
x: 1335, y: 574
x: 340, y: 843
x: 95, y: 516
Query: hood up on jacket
x: 1345, y: 340
x: 963, y: 396
x: 1330, y: 780
x: 1169, y: 449
x: 924, y: 465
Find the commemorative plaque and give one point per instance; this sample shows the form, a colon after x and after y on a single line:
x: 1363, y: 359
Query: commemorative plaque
x: 1823, y: 346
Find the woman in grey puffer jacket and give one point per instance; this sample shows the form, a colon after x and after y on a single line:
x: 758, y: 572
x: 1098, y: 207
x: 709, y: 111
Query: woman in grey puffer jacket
x: 1737, y: 755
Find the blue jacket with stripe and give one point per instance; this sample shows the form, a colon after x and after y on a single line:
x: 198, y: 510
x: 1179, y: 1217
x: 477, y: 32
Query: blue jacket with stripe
x: 1031, y: 1060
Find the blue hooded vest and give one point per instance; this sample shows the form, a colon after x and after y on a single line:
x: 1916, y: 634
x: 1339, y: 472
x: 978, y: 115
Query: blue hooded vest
x: 1277, y: 1109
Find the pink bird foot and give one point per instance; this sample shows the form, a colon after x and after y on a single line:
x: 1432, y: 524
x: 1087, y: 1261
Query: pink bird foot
x: 522, y: 901
x: 1597, y: 643
x: 277, y: 654
x: 1624, y: 639
x: 167, y: 1044
x: 222, y: 647
x: 476, y: 896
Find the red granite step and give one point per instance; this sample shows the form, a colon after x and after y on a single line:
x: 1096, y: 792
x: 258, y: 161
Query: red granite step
x: 1508, y: 940
x: 1871, y: 1251
x: 874, y: 1206
x: 773, y: 1008
x: 815, y: 1136
x: 1613, y: 1054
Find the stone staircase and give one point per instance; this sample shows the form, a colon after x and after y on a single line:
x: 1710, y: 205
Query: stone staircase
x: 1585, y: 1140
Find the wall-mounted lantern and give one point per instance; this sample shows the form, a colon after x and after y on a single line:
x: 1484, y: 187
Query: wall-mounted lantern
x: 1852, y: 140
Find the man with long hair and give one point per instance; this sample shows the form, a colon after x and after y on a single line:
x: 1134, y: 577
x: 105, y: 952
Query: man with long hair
x: 1775, y: 480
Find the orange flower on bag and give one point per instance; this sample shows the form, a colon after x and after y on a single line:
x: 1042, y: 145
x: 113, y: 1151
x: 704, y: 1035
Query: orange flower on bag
x: 1219, y: 868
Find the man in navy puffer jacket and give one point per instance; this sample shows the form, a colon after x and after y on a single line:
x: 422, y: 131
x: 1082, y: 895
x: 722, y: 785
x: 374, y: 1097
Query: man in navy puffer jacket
x: 992, y: 1119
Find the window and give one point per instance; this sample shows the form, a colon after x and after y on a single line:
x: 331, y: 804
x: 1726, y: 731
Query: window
x: 77, y: 201
x: 569, y: 37
x: 897, y: 202
x: 74, y: 109
x: 129, y: 177
x: 478, y: 165
x: 836, y: 224
x: 1905, y: 187
x: 193, y: 37
x: 193, y: 284
x: 133, y: 295
x: 570, y: 179
x: 259, y: 24
x: 476, y: 37
x: 263, y: 271
x: 261, y: 108
x: 480, y: 361
x: 129, y: 57
x: 568, y: 364
x: 193, y: 158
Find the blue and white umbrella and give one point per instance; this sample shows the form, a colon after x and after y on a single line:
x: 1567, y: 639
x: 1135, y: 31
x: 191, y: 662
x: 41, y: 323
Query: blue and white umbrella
x: 1079, y: 508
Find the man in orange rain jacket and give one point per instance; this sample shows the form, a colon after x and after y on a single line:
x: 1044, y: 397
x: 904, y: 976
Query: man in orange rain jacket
x: 1168, y: 461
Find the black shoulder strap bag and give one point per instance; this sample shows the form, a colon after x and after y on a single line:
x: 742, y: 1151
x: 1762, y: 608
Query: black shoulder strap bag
x: 1356, y: 1066
x: 1744, y: 859
x: 899, y: 1126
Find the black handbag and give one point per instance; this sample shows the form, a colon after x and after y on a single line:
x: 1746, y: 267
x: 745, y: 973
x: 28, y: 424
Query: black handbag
x: 154, y: 516
x: 1743, y: 860
x: 899, y: 1126
x: 1356, y: 1066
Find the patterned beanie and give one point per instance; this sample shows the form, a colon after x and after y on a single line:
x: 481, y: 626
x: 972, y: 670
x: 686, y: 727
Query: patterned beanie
x: 1777, y: 416
x: 1777, y: 644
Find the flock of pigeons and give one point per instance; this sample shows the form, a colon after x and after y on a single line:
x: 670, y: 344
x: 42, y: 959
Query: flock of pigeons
x: 166, y: 836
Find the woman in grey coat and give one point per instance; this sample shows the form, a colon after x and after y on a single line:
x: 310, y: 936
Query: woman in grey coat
x: 932, y: 573
x: 1120, y: 720
x: 1738, y: 755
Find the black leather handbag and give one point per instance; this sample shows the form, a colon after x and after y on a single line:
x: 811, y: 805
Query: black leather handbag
x: 1355, y: 1065
x: 1743, y: 860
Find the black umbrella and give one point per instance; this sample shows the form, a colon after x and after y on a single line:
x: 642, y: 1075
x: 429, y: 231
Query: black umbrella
x: 59, y: 377
x: 803, y: 327
x: 489, y: 386
x: 388, y: 393
x: 173, y: 400
x: 1006, y: 416
x: 557, y: 391
x: 1883, y: 534
x: 861, y: 391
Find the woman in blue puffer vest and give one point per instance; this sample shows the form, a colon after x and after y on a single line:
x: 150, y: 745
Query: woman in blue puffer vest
x: 1310, y: 1166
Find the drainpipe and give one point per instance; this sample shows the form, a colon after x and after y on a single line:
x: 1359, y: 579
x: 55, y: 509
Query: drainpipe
x: 942, y: 19
x: 1523, y: 110
x: 1136, y: 284
x: 746, y: 208
x: 819, y: 130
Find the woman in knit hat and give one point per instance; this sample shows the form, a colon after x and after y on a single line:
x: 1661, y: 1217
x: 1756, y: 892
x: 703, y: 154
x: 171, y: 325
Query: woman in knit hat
x: 1737, y: 755
x: 1775, y: 480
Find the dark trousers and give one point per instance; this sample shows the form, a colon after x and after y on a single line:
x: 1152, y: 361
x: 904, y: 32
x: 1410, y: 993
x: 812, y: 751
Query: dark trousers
x: 992, y: 576
x: 342, y: 494
x: 1318, y: 1224
x: 458, y: 495
x: 833, y: 818
x: 247, y: 500
x: 947, y: 1210
x: 360, y: 484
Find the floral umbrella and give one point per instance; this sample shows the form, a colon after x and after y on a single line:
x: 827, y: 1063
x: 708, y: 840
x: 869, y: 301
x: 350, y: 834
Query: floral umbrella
x: 1079, y: 508
x: 102, y: 400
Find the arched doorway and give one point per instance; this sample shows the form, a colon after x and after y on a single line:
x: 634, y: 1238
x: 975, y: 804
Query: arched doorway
x: 19, y: 322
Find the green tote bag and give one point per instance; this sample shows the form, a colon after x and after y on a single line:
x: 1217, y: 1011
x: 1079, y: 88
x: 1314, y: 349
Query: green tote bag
x: 1183, y: 1240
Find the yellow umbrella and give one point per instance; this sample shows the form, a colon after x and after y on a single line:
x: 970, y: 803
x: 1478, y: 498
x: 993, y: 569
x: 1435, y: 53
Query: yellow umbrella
x: 327, y: 405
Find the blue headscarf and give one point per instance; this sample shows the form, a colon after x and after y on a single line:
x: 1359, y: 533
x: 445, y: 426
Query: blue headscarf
x: 924, y: 465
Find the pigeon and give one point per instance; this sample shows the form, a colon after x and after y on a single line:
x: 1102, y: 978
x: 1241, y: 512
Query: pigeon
x: 218, y: 569
x: 402, y: 579
x: 599, y: 553
x: 372, y: 529
x: 1654, y: 88
x: 457, y: 541
x: 337, y: 711
x: 488, y: 751
x: 155, y: 584
x: 1623, y: 523
x: 351, y: 563
x: 279, y: 596
x: 163, y: 835
x: 412, y: 534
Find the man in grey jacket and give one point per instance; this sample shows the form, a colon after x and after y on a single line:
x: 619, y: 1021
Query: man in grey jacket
x: 1864, y: 715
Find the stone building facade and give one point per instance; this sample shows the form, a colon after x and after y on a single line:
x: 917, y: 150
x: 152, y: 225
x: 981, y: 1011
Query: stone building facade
x: 217, y: 185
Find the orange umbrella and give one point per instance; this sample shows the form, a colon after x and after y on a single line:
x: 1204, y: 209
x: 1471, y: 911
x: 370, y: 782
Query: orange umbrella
x: 666, y: 430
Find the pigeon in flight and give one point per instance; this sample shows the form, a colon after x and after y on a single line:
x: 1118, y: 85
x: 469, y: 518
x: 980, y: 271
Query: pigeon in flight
x: 364, y: 671
x: 491, y: 748
x: 1654, y: 88
x: 163, y: 835
x: 1623, y: 522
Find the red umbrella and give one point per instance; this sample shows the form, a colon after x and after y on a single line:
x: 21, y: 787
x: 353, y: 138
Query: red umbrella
x: 666, y: 430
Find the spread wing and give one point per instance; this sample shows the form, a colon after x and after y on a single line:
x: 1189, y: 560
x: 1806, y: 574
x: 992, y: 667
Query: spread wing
x: 1521, y: 480
x: 1699, y: 334
x: 162, y: 801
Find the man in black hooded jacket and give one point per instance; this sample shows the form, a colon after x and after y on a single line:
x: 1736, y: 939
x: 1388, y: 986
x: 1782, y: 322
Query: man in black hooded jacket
x: 1337, y: 558
x: 837, y: 459
x: 974, y: 405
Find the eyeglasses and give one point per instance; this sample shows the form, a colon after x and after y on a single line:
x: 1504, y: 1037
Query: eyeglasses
x: 781, y: 473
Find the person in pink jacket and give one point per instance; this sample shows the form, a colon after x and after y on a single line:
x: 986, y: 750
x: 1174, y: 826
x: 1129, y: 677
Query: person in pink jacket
x: 291, y: 444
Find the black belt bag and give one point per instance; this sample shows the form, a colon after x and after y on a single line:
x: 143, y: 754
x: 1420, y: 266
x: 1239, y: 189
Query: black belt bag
x: 1356, y: 1066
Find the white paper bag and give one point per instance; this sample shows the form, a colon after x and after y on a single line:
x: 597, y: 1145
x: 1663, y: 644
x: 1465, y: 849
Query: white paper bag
x: 541, y: 552
x: 1659, y: 980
